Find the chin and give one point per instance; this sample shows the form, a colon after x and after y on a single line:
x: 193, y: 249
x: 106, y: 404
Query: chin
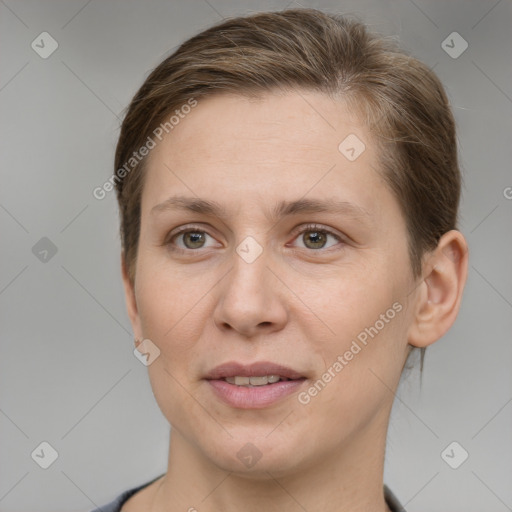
x: 254, y: 455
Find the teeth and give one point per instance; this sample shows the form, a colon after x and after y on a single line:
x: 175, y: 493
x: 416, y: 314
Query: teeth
x: 254, y: 381
x: 257, y: 381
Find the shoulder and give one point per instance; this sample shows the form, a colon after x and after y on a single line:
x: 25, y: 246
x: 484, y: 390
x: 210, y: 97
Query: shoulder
x: 132, y: 499
x: 392, y: 501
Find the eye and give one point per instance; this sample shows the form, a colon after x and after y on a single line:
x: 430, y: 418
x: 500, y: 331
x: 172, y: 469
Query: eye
x: 188, y: 238
x: 316, y: 237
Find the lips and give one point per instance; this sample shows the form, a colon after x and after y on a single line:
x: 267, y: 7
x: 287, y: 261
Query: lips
x: 258, y: 369
x: 254, y: 386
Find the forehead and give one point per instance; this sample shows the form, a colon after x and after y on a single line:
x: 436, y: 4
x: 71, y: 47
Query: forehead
x: 301, y: 123
x: 280, y: 146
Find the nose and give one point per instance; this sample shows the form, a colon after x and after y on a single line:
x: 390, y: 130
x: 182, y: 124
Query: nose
x: 251, y: 299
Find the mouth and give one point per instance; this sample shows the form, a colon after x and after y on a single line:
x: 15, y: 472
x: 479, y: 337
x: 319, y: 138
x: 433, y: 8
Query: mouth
x: 260, y: 369
x: 256, y: 381
x: 253, y: 386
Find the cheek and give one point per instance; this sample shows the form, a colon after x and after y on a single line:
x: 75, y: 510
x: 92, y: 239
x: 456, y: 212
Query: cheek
x: 360, y: 365
x: 351, y: 301
x: 169, y: 298
x: 172, y: 316
x: 366, y: 320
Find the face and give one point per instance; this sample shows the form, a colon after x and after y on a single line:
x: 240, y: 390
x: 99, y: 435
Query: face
x: 266, y: 248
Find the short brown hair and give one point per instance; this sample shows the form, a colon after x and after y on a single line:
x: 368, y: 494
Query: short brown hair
x: 400, y: 99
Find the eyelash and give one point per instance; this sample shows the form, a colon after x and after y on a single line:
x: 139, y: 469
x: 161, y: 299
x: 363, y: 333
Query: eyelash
x: 197, y: 229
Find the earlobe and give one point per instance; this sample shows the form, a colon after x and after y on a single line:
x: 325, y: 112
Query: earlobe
x: 131, y: 303
x: 440, y: 293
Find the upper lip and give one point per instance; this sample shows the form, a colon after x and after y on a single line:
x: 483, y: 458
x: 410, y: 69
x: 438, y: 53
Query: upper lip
x: 234, y: 369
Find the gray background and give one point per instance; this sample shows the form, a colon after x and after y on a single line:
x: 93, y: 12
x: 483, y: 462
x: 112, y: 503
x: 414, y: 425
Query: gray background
x: 68, y: 375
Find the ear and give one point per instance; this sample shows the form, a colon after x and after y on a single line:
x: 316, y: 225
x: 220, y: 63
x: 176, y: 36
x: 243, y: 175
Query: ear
x: 440, y: 292
x: 131, y: 303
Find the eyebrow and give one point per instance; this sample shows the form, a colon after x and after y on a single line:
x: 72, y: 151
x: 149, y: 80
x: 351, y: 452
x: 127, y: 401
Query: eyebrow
x: 280, y: 210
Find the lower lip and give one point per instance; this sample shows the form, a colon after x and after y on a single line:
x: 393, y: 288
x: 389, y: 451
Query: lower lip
x: 257, y: 397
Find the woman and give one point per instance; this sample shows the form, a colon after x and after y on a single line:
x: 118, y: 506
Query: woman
x: 288, y: 188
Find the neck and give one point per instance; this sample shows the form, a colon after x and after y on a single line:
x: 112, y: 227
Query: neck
x: 348, y: 480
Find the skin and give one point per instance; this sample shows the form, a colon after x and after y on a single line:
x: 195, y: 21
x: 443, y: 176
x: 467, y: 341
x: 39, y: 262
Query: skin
x: 298, y: 304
